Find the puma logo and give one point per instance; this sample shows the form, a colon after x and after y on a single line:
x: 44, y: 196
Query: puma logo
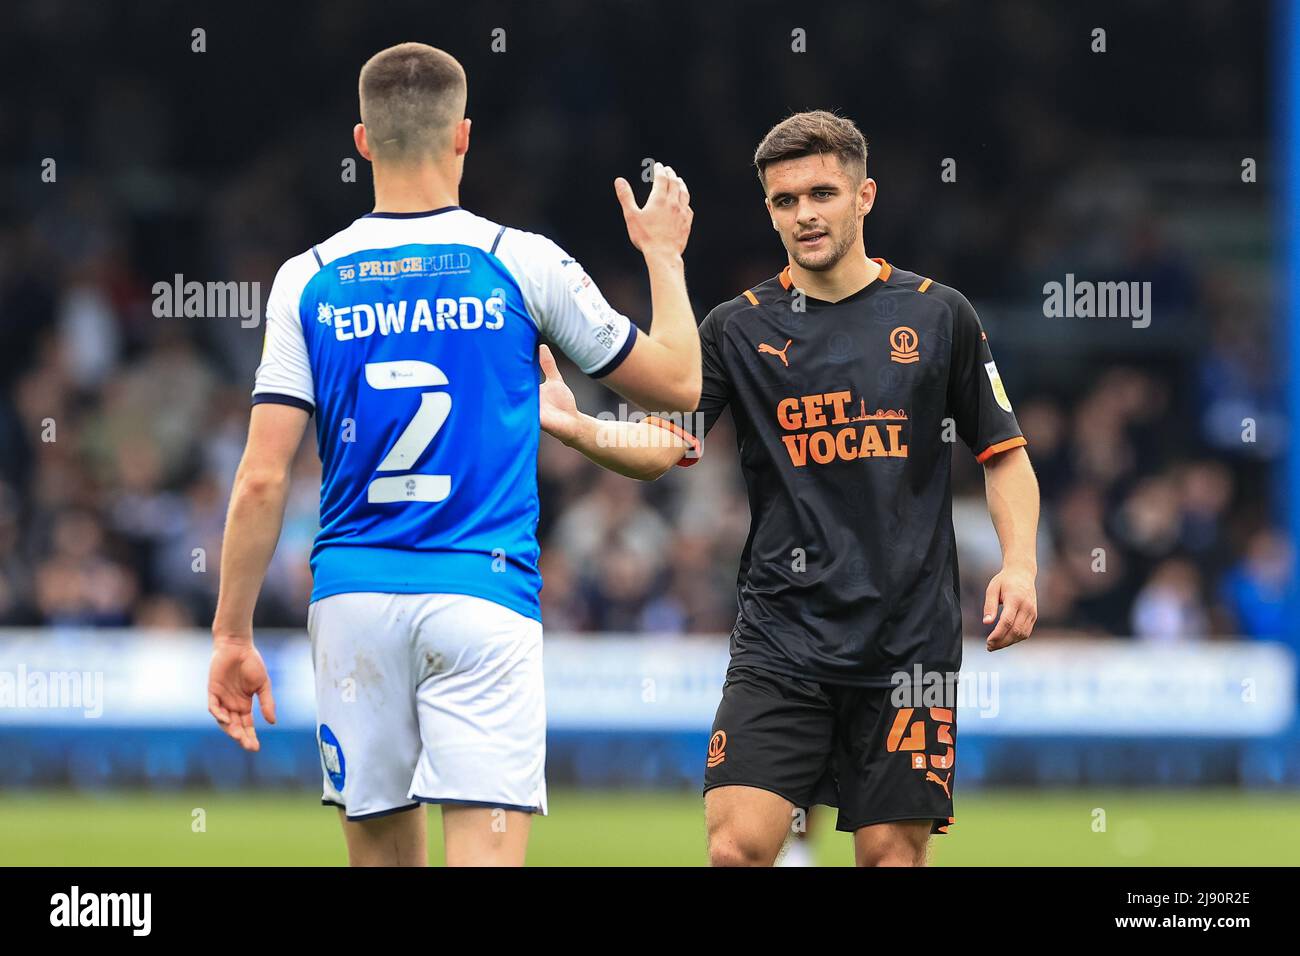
x: 943, y: 782
x: 765, y: 349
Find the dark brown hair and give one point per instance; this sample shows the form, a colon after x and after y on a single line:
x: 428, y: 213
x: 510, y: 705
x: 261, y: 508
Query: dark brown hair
x: 813, y: 133
x: 411, y: 96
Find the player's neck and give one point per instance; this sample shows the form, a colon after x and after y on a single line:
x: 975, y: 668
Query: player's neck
x: 415, y: 188
x: 851, y: 274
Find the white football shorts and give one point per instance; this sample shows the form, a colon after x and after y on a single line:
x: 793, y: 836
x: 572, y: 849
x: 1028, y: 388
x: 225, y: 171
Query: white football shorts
x: 427, y: 698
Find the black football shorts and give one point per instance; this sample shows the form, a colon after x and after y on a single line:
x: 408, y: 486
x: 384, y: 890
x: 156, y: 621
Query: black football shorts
x: 845, y: 747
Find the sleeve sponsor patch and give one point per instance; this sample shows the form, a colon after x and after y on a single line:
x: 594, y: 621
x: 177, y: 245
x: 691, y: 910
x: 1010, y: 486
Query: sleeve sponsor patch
x: 999, y: 390
x: 587, y: 297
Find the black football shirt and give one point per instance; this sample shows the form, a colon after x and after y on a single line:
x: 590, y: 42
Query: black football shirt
x: 845, y: 417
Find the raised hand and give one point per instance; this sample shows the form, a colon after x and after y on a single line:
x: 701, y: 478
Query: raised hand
x: 663, y: 224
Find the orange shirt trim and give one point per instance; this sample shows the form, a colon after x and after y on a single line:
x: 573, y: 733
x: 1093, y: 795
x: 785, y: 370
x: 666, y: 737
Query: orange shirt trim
x: 1001, y: 446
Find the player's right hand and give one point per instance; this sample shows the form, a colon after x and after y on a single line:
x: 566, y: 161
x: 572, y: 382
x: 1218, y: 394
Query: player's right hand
x: 237, y: 674
x: 663, y: 224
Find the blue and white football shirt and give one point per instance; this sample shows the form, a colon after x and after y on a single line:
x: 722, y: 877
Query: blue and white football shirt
x: 413, y: 338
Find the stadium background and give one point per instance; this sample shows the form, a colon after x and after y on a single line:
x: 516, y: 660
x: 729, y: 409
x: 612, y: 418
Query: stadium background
x: 1115, y: 166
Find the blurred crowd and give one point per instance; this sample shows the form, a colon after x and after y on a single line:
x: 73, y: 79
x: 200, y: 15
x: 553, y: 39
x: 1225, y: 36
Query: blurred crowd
x: 120, y: 432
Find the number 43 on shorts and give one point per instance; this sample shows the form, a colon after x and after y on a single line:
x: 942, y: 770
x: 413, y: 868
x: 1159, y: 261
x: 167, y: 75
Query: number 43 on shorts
x: 909, y: 735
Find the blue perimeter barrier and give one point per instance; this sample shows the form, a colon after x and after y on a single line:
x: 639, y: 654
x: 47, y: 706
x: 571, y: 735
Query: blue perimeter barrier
x: 100, y: 709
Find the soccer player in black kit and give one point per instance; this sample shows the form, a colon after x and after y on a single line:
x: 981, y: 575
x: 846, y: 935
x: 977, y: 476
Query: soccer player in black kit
x: 848, y: 379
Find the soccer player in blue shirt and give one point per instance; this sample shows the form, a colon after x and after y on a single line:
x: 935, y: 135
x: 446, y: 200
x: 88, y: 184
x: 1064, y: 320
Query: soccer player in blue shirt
x: 412, y: 337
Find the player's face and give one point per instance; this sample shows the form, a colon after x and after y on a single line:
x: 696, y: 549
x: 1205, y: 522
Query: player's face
x: 817, y: 208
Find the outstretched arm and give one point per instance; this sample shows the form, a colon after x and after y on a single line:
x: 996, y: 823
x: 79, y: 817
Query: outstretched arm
x: 642, y: 450
x: 1012, y: 492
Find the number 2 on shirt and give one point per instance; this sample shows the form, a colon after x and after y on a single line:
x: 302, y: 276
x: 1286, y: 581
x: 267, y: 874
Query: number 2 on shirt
x: 415, y: 438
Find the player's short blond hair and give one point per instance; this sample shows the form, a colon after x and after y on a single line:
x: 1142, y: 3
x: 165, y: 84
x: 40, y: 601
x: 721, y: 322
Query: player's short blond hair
x: 812, y: 133
x: 412, y: 95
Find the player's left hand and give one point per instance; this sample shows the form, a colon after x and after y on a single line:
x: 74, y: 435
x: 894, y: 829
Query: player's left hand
x: 1014, y: 590
x: 237, y: 674
x: 558, y: 409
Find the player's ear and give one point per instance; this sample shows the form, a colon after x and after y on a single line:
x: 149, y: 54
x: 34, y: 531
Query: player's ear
x: 359, y: 138
x: 767, y: 203
x: 866, y: 196
x: 460, y: 138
